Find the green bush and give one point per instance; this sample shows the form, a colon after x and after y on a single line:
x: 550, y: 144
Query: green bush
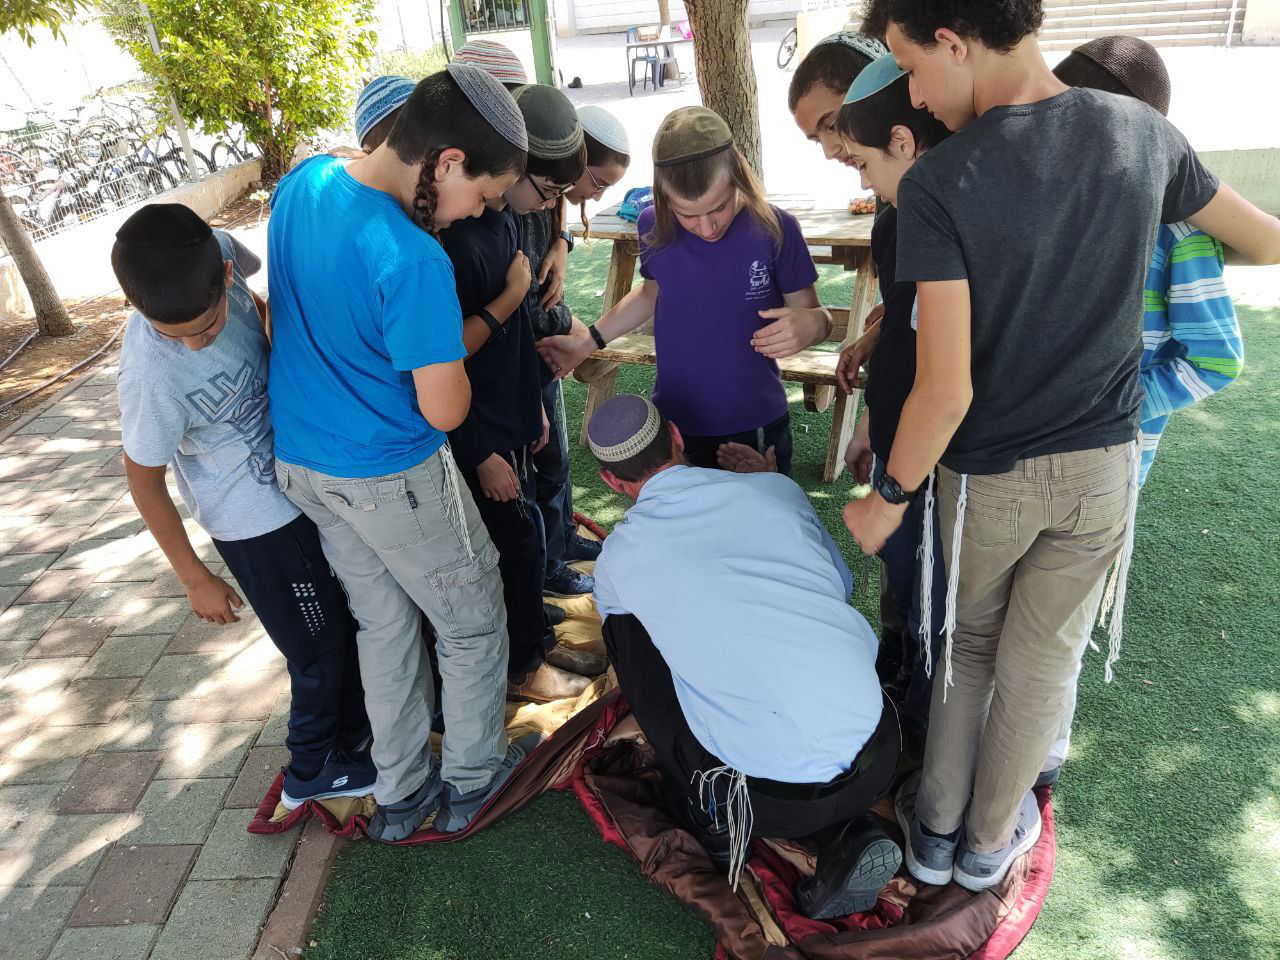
x: 414, y: 64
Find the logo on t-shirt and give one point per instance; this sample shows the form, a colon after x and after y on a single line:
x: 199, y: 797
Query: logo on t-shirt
x: 240, y: 401
x: 759, y: 284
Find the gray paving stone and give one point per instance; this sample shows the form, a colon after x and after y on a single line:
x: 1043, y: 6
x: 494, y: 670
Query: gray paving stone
x: 24, y: 568
x: 260, y: 770
x: 14, y: 526
x: 179, y: 677
x: 54, y: 585
x: 13, y: 468
x: 102, y: 488
x: 179, y: 811
x: 95, y: 457
x: 200, y: 636
x: 148, y: 724
x: 113, y: 525
x: 97, y: 700
x: 232, y: 853
x: 11, y: 445
x: 65, y: 479
x: 48, y: 755
x: 8, y: 594
x: 112, y: 468
x: 72, y: 637
x: 135, y: 614
x: 43, y: 425
x: 137, y: 884
x: 33, y: 678
x: 32, y: 919
x: 61, y: 849
x: 102, y: 554
x: 128, y: 656
x: 77, y: 513
x: 141, y: 572
x: 207, y: 750
x: 105, y: 943
x: 42, y: 539
x: 108, y: 783
x: 216, y: 920
x: 27, y: 621
x: 11, y: 651
x: 241, y: 696
x: 18, y: 804
x: 276, y: 730
x: 64, y: 446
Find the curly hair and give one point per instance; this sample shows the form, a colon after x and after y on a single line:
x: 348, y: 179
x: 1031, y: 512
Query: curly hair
x: 875, y: 18
x: 997, y: 24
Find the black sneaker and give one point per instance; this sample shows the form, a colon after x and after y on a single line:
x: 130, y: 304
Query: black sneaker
x: 398, y: 821
x: 555, y: 615
x: 851, y: 872
x: 582, y: 548
x: 567, y: 582
x: 343, y: 775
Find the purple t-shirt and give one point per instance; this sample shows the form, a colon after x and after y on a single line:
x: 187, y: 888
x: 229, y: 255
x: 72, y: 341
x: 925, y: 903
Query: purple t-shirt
x: 710, y: 380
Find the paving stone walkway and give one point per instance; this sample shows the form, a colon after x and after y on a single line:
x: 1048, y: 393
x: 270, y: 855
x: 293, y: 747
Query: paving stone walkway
x: 135, y: 740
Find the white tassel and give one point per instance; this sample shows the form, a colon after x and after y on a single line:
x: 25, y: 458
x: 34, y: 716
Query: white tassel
x: 953, y: 580
x: 1117, y: 587
x: 926, y: 578
x: 453, y: 493
x: 738, y: 813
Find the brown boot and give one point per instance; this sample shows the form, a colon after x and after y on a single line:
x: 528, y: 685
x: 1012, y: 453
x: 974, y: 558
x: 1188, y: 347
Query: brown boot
x: 545, y: 684
x: 582, y: 662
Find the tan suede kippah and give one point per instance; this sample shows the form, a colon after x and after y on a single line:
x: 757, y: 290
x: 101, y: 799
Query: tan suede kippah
x: 690, y: 133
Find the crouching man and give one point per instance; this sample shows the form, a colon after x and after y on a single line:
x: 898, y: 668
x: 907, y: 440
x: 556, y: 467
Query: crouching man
x: 726, y: 616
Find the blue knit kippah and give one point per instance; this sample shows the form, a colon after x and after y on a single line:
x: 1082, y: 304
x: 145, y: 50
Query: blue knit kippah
x: 874, y: 78
x: 379, y: 98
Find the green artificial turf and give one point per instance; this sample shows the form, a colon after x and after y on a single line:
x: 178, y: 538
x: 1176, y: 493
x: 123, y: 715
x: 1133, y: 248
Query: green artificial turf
x: 1168, y: 817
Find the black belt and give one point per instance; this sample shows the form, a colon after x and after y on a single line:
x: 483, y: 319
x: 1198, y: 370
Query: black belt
x: 882, y: 738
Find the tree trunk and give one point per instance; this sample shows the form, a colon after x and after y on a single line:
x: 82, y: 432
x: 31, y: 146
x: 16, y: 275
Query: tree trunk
x: 672, y: 70
x: 51, y: 315
x: 726, y: 75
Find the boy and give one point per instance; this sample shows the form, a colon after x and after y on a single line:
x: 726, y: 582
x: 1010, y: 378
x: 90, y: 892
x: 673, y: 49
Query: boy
x: 819, y: 84
x: 1051, y: 474
x: 192, y: 387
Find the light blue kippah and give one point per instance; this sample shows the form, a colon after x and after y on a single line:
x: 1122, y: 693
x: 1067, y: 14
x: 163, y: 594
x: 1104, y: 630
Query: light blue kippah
x: 379, y: 98
x: 874, y: 78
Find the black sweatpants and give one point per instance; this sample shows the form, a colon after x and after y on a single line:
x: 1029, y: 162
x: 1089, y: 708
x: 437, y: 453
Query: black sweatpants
x: 515, y: 527
x: 302, y: 606
x: 700, y: 451
x: 551, y: 466
x: 646, y: 681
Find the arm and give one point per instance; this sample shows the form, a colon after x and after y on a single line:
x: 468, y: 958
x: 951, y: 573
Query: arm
x: 795, y: 327
x: 856, y: 354
x: 1251, y: 234
x: 475, y: 332
x: 564, y: 353
x: 212, y: 598
x: 934, y: 410
x: 444, y: 394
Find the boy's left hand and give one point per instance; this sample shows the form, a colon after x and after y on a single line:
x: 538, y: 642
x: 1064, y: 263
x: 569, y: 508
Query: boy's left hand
x: 543, y: 440
x: 551, y: 273
x: 793, y: 329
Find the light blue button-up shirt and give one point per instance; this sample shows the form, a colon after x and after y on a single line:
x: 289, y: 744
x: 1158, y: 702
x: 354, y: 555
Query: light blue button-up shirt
x: 745, y: 594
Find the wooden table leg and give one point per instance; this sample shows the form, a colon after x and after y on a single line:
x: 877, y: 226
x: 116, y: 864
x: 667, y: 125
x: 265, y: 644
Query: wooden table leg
x: 844, y: 416
x: 601, y: 376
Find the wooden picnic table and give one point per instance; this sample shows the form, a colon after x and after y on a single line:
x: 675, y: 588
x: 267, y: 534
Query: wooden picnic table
x: 834, y: 236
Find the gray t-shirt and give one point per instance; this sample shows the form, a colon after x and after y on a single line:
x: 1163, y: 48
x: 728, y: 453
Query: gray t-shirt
x: 1050, y: 211
x: 205, y: 413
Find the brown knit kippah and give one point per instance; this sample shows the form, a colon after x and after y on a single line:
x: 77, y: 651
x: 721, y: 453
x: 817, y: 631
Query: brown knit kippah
x: 1135, y: 64
x: 690, y: 133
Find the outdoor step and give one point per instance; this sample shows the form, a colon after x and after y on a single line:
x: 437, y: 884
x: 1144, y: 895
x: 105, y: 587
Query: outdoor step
x: 1161, y: 22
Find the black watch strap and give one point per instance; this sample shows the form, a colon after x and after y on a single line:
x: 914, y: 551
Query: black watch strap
x: 567, y: 237
x: 891, y: 491
x: 596, y: 336
x: 496, y: 329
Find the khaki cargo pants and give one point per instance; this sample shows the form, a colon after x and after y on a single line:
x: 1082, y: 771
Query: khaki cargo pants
x: 1035, y: 549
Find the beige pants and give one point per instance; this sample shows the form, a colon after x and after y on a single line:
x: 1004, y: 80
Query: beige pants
x: 1036, y: 546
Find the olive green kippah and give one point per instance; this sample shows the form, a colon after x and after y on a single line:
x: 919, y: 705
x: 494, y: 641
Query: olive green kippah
x: 690, y: 133
x: 551, y: 121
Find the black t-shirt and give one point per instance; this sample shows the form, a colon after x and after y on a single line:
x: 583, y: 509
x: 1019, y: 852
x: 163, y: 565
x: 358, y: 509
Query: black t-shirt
x: 1049, y: 210
x: 506, y: 398
x: 891, y: 371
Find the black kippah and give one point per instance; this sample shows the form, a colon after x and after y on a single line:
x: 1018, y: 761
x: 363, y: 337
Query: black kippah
x: 164, y: 225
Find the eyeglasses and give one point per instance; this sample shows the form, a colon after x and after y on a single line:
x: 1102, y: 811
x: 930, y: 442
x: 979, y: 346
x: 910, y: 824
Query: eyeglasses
x: 544, y: 197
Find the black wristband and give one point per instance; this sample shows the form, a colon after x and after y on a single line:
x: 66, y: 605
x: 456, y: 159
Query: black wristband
x: 496, y: 329
x: 567, y: 237
x: 595, y: 335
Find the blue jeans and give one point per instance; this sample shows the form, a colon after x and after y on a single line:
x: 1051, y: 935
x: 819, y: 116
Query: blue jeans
x: 901, y: 557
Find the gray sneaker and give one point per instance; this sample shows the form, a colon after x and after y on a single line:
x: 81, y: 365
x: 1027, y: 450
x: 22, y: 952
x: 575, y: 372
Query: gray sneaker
x: 459, y: 809
x: 978, y: 871
x: 929, y: 859
x: 398, y: 821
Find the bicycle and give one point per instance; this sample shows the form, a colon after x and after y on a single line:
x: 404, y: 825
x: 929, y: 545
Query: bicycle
x: 787, y: 48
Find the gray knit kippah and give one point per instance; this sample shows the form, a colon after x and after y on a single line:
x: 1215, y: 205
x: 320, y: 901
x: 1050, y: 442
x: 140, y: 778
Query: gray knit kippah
x: 869, y: 47
x: 622, y: 426
x: 552, y: 124
x: 493, y: 101
x: 605, y: 128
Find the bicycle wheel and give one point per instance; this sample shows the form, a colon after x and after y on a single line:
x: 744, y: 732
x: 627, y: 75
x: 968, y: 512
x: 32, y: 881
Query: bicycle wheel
x: 787, y: 48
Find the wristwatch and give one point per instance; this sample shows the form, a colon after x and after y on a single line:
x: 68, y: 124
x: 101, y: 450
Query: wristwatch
x: 567, y: 237
x: 891, y: 491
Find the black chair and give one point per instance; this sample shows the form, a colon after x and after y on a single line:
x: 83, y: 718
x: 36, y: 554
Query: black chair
x: 647, y: 56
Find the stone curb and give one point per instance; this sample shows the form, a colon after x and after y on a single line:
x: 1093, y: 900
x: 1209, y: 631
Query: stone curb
x: 285, y: 935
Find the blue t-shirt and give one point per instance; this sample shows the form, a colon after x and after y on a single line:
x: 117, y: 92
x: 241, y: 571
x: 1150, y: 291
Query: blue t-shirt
x: 360, y: 297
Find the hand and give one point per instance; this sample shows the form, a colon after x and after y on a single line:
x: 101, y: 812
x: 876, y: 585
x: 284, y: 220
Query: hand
x: 543, y: 440
x: 563, y: 353
x: 497, y: 479
x: 857, y: 456
x: 552, y: 272
x: 793, y: 329
x: 348, y: 153
x: 871, y: 521
x: 519, y: 276
x: 852, y: 359
x: 740, y: 458
x: 873, y: 317
x: 213, y: 599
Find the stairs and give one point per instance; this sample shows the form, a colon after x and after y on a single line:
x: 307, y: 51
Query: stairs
x: 1164, y: 23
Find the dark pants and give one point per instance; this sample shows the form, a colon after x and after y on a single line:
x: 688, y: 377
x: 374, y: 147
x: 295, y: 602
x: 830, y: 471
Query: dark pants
x: 901, y: 558
x: 516, y: 531
x: 554, y: 491
x: 302, y: 606
x: 646, y: 681
x: 700, y: 451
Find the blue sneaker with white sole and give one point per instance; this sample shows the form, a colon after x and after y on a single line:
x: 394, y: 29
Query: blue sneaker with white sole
x: 343, y: 775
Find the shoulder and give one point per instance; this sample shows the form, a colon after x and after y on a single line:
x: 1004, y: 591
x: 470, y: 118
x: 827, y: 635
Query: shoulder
x: 307, y: 174
x: 648, y: 217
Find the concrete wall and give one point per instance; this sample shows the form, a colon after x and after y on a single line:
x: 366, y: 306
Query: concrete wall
x: 1262, y: 22
x: 614, y: 16
x: 1254, y: 173
x: 78, y: 261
